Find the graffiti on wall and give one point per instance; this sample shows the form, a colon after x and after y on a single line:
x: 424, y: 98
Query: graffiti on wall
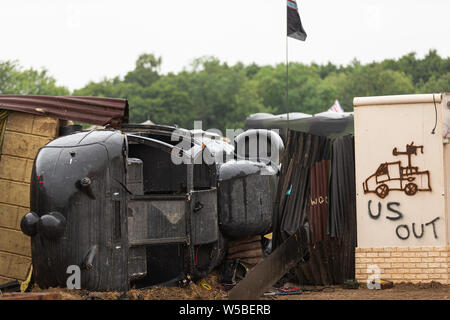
x: 402, y: 231
x: 410, y: 179
x: 393, y: 176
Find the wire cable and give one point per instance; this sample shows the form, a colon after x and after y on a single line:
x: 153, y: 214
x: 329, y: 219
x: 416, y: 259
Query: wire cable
x: 435, y: 114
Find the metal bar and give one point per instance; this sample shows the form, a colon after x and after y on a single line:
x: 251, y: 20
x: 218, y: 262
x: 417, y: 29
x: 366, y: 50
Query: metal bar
x: 144, y: 242
x: 158, y: 197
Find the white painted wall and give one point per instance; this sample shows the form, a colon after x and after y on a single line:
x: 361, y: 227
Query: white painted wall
x: 385, y: 123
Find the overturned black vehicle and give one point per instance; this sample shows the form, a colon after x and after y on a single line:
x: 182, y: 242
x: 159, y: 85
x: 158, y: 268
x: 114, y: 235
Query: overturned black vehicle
x: 133, y: 208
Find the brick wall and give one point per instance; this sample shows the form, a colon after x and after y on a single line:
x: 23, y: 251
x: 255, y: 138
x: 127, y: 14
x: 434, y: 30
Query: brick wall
x: 405, y: 264
x: 24, y: 135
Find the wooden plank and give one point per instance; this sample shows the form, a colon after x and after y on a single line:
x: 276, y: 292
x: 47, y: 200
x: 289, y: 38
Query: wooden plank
x: 20, y: 122
x: 14, y: 266
x: 9, y: 215
x: 4, y: 280
x: 15, y: 193
x: 45, y: 126
x: 22, y: 145
x: 33, y: 124
x: 25, y: 134
x: 14, y: 168
x: 14, y: 241
x: 21, y: 211
x: 31, y: 296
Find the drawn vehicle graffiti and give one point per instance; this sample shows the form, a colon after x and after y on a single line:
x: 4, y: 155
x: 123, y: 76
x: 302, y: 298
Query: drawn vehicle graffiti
x: 392, y: 176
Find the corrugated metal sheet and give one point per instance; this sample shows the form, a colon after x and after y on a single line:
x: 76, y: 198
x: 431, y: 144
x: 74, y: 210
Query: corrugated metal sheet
x: 342, y: 212
x: 324, y: 265
x: 318, y: 204
x: 317, y: 189
x: 93, y: 110
x: 292, y: 203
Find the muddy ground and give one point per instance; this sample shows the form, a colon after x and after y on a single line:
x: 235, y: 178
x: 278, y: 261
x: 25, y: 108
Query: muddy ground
x: 401, y: 291
x: 211, y: 289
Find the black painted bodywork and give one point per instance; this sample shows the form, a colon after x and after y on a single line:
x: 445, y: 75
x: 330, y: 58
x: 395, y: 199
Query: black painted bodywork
x: 116, y: 205
x: 95, y: 215
x: 246, y: 195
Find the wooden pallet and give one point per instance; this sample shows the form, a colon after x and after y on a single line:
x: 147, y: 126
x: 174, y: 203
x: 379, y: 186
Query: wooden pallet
x: 30, y: 296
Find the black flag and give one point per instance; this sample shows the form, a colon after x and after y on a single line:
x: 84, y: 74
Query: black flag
x: 294, y: 24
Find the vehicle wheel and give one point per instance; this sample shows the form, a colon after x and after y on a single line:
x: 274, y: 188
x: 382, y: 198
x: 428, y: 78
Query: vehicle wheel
x: 382, y: 191
x: 411, y: 189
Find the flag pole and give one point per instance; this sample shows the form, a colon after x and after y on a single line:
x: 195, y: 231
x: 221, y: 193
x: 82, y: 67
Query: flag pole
x: 296, y: 31
x: 287, y: 80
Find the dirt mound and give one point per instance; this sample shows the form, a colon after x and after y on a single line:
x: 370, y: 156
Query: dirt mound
x: 208, y: 288
x: 422, y: 285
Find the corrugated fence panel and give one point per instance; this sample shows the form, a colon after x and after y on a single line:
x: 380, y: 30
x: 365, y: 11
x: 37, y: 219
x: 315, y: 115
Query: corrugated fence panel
x: 316, y: 188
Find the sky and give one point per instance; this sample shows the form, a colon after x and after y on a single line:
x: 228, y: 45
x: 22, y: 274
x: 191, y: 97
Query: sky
x: 88, y: 40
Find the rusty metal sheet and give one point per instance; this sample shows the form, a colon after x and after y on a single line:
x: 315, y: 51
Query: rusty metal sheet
x: 318, y: 204
x: 92, y: 110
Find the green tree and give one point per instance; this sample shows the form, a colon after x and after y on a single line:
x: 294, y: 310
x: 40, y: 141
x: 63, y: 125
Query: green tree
x: 146, y: 71
x: 223, y: 95
x: 373, y: 81
x: 436, y: 84
x: 16, y: 80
